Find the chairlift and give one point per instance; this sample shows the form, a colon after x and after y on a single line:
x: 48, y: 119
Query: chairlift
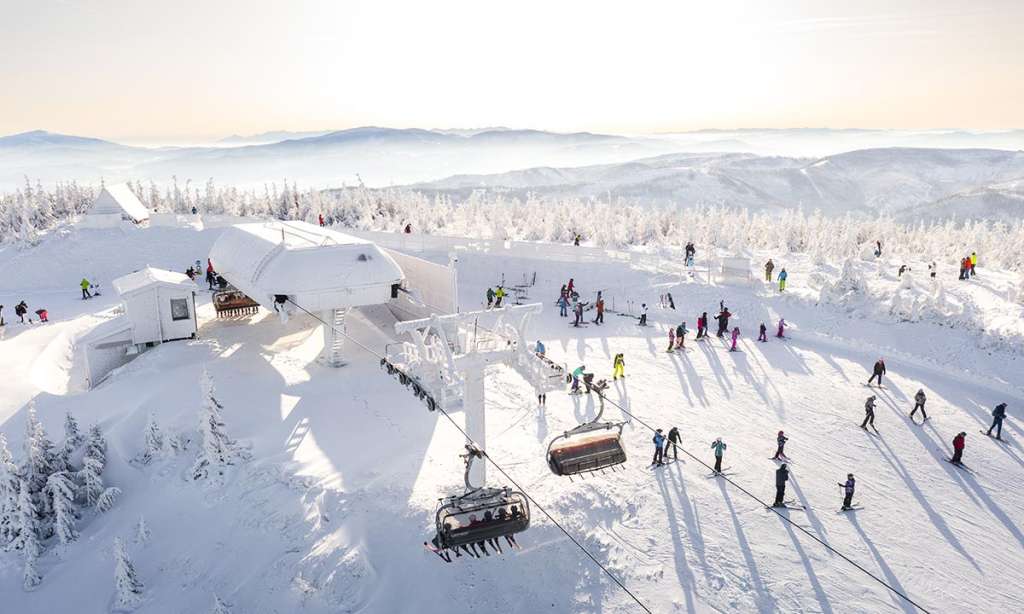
x: 480, y: 513
x: 589, y: 447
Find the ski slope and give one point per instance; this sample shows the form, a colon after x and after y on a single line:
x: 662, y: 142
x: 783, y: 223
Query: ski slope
x: 347, y: 465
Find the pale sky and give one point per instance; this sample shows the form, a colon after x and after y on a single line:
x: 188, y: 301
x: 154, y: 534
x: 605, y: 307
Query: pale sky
x: 191, y: 69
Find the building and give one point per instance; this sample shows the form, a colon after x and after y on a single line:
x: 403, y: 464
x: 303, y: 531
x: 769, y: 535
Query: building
x: 114, y: 205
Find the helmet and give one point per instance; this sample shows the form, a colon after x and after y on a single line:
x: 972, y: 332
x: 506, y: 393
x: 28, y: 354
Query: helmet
x: 849, y: 475
x: 780, y: 433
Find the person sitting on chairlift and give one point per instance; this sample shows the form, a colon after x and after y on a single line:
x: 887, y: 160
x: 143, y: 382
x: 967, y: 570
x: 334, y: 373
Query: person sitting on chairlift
x: 279, y: 301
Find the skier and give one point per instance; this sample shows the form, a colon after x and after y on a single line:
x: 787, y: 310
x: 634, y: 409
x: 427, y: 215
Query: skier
x: 563, y: 306
x: 671, y: 338
x: 490, y: 297
x: 570, y: 286
x: 43, y: 315
x: 618, y: 367
x: 735, y: 336
x: 848, y: 489
x: 539, y: 349
x: 691, y: 251
x: 762, y: 334
x: 869, y: 413
x: 599, y: 307
x: 782, y: 279
x: 768, y: 268
x: 702, y: 325
x: 20, y: 310
x: 498, y: 295
x: 643, y: 314
x: 85, y: 285
x: 779, y: 452
x: 719, y: 447
x: 878, y: 249
x: 958, y: 448
x: 578, y: 312
x: 674, y: 439
x: 681, y: 333
x: 919, y: 400
x: 974, y: 262
x: 576, y: 375
x: 320, y: 218
x: 878, y: 371
x: 723, y: 321
x: 998, y: 414
x: 659, y: 448
x: 781, y: 476
x: 901, y: 271
x: 782, y: 329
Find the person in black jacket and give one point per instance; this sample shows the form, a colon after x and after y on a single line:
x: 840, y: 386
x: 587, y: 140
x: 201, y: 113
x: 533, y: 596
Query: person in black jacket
x: 998, y: 414
x: 878, y: 371
x: 781, y: 476
x: 869, y: 413
x: 782, y: 439
x: 20, y: 310
x: 723, y: 321
x: 674, y: 439
x: 919, y: 400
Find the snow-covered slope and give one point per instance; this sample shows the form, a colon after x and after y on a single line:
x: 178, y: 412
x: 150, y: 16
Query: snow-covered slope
x: 329, y: 512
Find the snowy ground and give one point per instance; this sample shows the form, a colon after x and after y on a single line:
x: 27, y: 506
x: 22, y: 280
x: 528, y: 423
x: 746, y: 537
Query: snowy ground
x: 347, y: 466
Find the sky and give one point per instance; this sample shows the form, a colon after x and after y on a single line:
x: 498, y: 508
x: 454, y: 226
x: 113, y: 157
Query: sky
x: 194, y: 70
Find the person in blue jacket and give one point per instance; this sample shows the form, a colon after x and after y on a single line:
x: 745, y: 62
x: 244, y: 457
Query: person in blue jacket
x: 659, y: 448
x: 563, y: 306
x: 539, y: 349
x: 782, y: 279
x: 719, y: 447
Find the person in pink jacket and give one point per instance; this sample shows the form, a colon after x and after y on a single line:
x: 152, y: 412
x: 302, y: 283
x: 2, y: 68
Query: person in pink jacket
x: 735, y: 336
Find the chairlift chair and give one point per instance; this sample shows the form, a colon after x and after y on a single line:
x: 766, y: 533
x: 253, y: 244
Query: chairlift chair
x: 589, y: 447
x: 480, y: 513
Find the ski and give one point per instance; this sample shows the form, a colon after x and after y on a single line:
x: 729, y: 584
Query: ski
x: 789, y: 505
x: 430, y: 548
x: 782, y: 460
x: 864, y: 428
x: 715, y: 474
x: 992, y: 437
x: 959, y: 465
x: 852, y: 508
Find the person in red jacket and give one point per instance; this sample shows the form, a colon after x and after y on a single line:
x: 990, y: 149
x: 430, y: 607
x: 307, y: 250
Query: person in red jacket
x: 958, y: 448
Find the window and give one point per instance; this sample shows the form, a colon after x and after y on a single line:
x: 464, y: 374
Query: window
x: 179, y: 309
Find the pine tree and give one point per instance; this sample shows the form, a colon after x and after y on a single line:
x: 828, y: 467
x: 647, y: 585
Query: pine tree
x: 127, y: 585
x: 8, y: 494
x: 60, y: 491
x: 96, y: 445
x: 220, y: 606
x: 142, y: 532
x: 107, y: 499
x: 216, y: 450
x: 154, y: 442
x: 91, y: 479
x: 72, y: 434
x: 38, y: 453
x: 27, y: 540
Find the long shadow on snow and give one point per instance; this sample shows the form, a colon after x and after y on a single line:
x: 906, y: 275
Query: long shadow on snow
x: 740, y: 360
x: 765, y: 601
x: 886, y: 570
x: 687, y: 581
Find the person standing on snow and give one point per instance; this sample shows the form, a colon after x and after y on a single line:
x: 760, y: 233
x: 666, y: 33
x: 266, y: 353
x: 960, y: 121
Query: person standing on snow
x: 919, y: 400
x: 320, y: 218
x: 869, y: 413
x: 878, y: 371
x: 723, y: 321
x: 490, y: 297
x: 735, y: 336
x: 974, y: 262
x: 563, y: 306
x: 499, y: 294
x: 719, y: 447
x: 618, y: 367
x: 671, y: 303
x: 674, y: 440
x: 782, y: 279
x: 643, y: 314
x: 85, y: 285
x: 599, y: 307
x: 20, y: 310
x: 1, y: 315
x: 782, y: 329
x: 681, y: 333
x: 958, y: 448
x: 702, y: 325
x: 781, y: 476
x: 779, y: 452
x: 768, y: 268
x: 569, y: 287
x: 578, y: 312
x: 997, y: 417
x: 671, y: 339
x: 762, y: 334
x: 848, y: 489
x: 659, y: 448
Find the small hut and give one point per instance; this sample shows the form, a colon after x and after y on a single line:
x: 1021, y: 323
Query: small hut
x: 115, y: 204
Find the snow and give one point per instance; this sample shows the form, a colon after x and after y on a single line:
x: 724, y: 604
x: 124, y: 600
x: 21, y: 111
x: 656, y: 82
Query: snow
x: 119, y: 199
x: 148, y: 276
x: 346, y: 465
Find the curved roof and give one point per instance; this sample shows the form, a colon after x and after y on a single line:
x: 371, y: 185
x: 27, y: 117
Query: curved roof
x: 318, y: 267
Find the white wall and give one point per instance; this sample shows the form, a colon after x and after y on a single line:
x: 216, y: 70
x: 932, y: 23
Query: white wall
x: 432, y: 286
x: 176, y: 329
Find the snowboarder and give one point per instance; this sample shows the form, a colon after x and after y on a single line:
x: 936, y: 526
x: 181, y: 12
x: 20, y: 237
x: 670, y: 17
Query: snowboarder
x: 674, y: 440
x: 577, y: 374
x: 762, y: 334
x: 599, y: 307
x: 618, y: 367
x: 681, y: 333
x: 499, y: 294
x: 578, y: 312
x: 735, y: 336
x: 702, y: 325
x: 490, y: 297
x: 781, y: 476
x: 958, y: 448
x: 780, y: 452
x: 768, y: 268
x: 20, y: 310
x: 869, y: 413
x: 671, y: 338
x: 782, y: 279
x: 782, y: 329
x: 563, y: 306
x: 878, y: 371
x: 643, y: 314
x: 723, y: 321
x: 719, y: 447
x: 998, y: 414
x: 85, y: 285
x: 919, y: 400
x: 848, y: 489
x: 659, y: 448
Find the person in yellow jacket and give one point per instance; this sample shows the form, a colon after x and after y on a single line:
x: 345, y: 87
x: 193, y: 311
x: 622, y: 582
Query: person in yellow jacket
x: 974, y: 262
x: 618, y: 367
x: 85, y: 288
x: 498, y: 295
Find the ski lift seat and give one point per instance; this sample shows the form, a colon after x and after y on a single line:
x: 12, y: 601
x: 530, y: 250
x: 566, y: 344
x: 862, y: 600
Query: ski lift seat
x: 588, y: 448
x: 480, y: 515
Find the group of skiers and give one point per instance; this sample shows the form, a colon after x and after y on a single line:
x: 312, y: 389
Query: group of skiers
x: 495, y: 296
x: 768, y: 268
x: 967, y: 266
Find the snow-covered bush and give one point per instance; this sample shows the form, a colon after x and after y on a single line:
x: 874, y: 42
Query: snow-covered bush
x: 107, y: 498
x: 849, y: 287
x: 142, y: 532
x: 154, y: 442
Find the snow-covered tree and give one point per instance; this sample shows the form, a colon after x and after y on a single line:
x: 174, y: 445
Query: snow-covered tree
x: 107, y: 499
x: 154, y: 441
x: 60, y: 492
x: 216, y: 449
x: 127, y: 586
x: 38, y: 453
x: 220, y: 606
x: 9, y: 484
x: 28, y: 527
x: 91, y: 479
x: 72, y: 434
x: 96, y: 445
x: 142, y: 532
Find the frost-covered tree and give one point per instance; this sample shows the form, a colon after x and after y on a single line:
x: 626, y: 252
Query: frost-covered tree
x: 28, y: 526
x: 108, y: 498
x: 142, y: 532
x: 60, y: 492
x: 216, y: 449
x: 127, y: 586
x: 38, y: 453
x: 72, y: 434
x: 220, y: 606
x: 9, y: 484
x: 154, y: 441
x: 96, y: 445
x: 91, y: 479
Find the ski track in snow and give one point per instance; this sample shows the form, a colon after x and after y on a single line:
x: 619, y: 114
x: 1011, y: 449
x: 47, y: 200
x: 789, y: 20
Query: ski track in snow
x: 347, y: 466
